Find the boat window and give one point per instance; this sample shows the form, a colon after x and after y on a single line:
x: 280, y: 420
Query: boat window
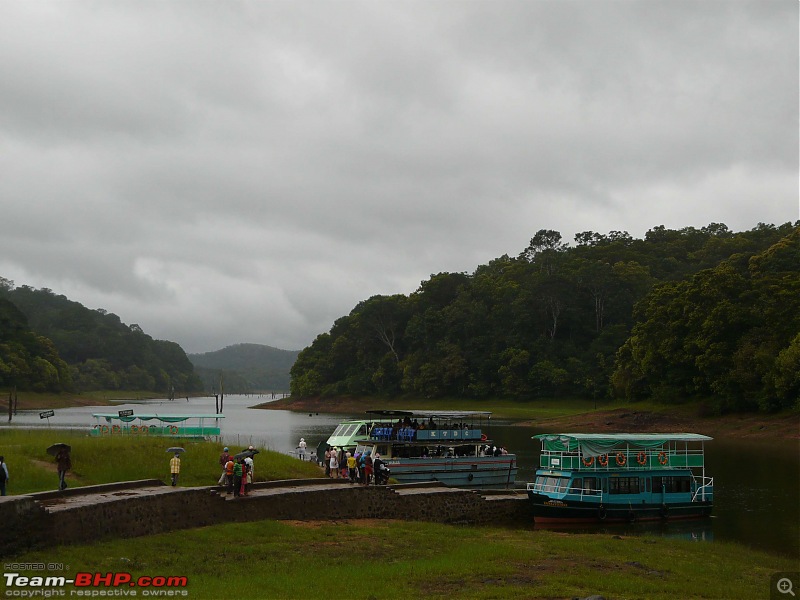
x: 590, y: 483
x: 563, y: 482
x: 623, y: 485
x: 577, y: 486
x: 672, y: 485
x: 551, y: 484
x: 363, y: 429
x: 339, y: 430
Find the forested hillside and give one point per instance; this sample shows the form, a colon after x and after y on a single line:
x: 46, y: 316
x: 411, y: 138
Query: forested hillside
x: 48, y: 342
x: 692, y: 313
x: 245, y: 368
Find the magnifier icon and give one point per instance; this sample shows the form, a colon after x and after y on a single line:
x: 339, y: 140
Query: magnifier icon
x: 784, y: 586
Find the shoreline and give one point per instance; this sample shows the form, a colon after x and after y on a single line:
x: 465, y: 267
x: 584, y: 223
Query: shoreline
x: 628, y: 419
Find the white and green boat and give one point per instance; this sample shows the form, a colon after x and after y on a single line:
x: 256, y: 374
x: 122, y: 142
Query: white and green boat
x: 452, y: 447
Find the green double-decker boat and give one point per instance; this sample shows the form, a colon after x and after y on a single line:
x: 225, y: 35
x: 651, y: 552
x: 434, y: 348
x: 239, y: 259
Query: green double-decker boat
x: 585, y: 477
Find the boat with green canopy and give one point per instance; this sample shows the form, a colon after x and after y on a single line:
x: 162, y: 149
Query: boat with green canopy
x: 198, y: 426
x: 586, y: 477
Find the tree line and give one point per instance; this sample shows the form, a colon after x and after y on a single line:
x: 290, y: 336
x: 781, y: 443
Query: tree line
x: 49, y: 343
x: 706, y: 314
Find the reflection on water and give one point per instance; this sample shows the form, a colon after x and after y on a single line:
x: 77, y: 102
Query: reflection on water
x: 699, y: 530
x: 757, y: 484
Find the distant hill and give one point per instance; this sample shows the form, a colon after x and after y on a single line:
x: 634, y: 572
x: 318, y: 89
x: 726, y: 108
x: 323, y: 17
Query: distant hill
x: 245, y: 368
x: 51, y: 343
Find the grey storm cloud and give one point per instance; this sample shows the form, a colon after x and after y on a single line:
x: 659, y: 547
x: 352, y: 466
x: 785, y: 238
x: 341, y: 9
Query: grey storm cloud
x: 249, y: 171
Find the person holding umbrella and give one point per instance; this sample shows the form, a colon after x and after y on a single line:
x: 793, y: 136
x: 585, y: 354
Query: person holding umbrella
x: 63, y: 461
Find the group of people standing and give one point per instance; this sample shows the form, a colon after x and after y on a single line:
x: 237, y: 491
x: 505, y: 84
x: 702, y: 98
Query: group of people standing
x: 237, y: 473
x: 356, y: 467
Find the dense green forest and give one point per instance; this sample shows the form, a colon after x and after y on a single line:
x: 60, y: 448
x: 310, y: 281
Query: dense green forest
x: 50, y: 343
x: 706, y: 314
x: 245, y: 368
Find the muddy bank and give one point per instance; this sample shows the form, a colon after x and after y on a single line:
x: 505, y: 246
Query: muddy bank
x: 618, y: 420
x: 621, y: 420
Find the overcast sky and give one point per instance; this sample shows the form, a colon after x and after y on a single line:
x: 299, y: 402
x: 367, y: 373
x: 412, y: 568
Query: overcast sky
x: 225, y: 172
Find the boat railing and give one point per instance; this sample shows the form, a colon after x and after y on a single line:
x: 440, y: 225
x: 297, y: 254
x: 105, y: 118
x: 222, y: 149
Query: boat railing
x: 544, y: 488
x: 705, y: 491
x: 632, y: 459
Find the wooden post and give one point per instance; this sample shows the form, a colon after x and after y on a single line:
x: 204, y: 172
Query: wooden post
x: 221, y: 392
x: 9, y: 406
x: 16, y: 400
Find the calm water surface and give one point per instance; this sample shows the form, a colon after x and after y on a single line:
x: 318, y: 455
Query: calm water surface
x: 757, y: 484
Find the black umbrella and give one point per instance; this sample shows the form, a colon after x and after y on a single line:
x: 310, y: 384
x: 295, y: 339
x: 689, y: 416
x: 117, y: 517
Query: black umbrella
x: 56, y: 448
x: 176, y: 450
x: 245, y: 454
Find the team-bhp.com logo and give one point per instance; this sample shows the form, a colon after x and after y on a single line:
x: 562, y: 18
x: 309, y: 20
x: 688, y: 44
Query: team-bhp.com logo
x: 94, y: 585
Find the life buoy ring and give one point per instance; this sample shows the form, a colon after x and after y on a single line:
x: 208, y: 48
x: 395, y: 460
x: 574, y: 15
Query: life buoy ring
x: 588, y: 461
x: 603, y: 460
x: 173, y: 430
x: 483, y: 437
x: 134, y: 429
x: 602, y: 513
x: 662, y: 458
x: 144, y: 429
x: 104, y: 429
x: 470, y: 477
x: 621, y: 459
x: 116, y: 429
x: 641, y: 458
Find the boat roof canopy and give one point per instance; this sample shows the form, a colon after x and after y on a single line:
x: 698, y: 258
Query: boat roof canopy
x: 149, y: 417
x: 444, y: 414
x: 595, y: 444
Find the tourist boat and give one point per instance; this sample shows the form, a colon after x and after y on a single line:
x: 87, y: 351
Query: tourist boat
x: 451, y: 447
x: 586, y: 477
x: 127, y: 423
x: 348, y: 435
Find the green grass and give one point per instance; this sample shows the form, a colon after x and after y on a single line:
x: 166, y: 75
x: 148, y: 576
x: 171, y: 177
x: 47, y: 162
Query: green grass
x: 390, y: 559
x: 125, y: 458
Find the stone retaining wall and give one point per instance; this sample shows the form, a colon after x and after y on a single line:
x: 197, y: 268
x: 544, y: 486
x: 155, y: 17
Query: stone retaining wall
x: 134, y: 510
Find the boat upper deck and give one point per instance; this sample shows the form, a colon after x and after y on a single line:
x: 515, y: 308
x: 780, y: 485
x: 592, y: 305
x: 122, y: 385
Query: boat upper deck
x: 626, y: 451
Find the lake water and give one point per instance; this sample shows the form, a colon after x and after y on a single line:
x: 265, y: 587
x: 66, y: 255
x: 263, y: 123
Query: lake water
x: 757, y: 484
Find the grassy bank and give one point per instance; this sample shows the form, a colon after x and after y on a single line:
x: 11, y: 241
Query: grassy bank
x: 389, y: 559
x: 124, y: 458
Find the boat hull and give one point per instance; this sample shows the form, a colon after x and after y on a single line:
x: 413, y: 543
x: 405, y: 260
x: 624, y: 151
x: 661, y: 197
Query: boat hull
x: 457, y: 472
x: 552, y: 511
